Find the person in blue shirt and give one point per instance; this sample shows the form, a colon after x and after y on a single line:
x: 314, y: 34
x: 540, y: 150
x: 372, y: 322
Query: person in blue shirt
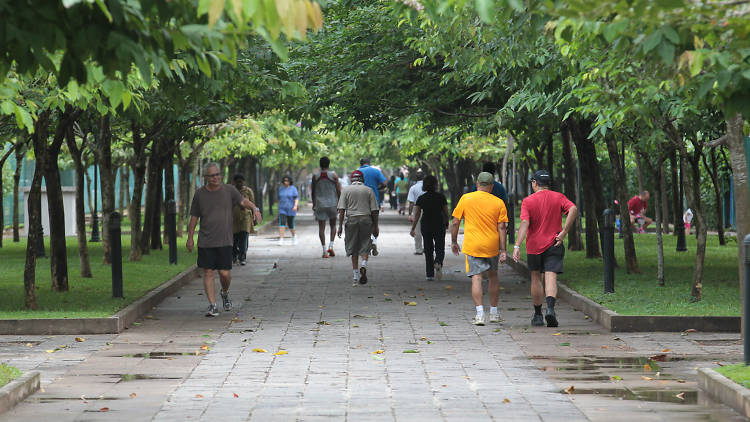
x: 375, y: 180
x: 497, y: 188
x: 288, y: 201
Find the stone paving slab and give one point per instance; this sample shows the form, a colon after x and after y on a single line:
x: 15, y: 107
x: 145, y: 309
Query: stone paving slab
x: 329, y: 330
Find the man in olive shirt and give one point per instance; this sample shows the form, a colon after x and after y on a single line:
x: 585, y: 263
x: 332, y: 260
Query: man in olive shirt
x: 212, y: 204
x: 361, y: 207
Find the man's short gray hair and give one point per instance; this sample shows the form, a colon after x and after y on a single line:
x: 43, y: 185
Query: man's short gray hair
x: 211, y: 164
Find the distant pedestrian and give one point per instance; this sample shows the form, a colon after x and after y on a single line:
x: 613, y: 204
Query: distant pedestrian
x: 497, y: 188
x: 485, y: 219
x: 402, y: 193
x: 375, y: 180
x: 687, y: 218
x: 359, y: 205
x: 288, y: 201
x: 212, y: 205
x: 414, y: 193
x: 541, y: 219
x: 391, y: 185
x: 242, y: 222
x: 325, y: 189
x: 637, y: 209
x: 431, y: 215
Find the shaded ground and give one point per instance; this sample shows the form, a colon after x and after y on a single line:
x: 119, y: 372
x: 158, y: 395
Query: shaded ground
x: 178, y: 365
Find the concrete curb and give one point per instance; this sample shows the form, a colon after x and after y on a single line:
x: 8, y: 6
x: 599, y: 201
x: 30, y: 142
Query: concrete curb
x: 615, y: 322
x: 724, y: 390
x: 109, y: 325
x: 17, y: 390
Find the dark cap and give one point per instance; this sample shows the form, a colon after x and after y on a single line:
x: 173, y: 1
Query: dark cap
x: 542, y: 177
x: 357, y: 173
x: 363, y: 161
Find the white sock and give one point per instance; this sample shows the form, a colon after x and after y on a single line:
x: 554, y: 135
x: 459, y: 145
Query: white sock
x: 480, y: 310
x: 330, y: 245
x: 493, y: 310
x: 356, y: 274
x: 324, y: 247
x: 374, y: 239
x: 364, y: 263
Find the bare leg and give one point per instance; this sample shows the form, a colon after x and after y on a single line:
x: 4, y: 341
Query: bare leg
x: 476, y: 289
x: 282, y: 229
x: 537, y: 292
x: 333, y: 230
x: 494, y: 288
x: 550, y: 284
x: 355, y: 262
x: 322, y: 232
x: 225, y: 277
x: 208, y: 285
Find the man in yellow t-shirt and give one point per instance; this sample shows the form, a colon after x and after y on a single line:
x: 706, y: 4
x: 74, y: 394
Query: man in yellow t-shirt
x: 485, y: 219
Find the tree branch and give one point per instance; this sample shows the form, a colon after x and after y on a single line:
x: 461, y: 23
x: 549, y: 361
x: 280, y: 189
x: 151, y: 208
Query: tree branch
x: 718, y: 142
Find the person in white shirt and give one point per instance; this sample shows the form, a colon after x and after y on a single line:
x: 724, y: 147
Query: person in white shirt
x: 687, y: 218
x: 414, y: 193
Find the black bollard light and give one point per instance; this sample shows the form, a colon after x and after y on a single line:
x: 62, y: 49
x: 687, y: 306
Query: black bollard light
x: 608, y: 250
x: 39, y: 247
x: 171, y: 222
x: 681, y: 243
x: 115, y: 253
x: 746, y: 333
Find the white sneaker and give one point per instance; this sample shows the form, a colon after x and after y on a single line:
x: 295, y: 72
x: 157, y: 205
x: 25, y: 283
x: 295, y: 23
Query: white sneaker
x: 281, y: 241
x: 494, y: 318
x: 294, y: 240
x: 479, y: 319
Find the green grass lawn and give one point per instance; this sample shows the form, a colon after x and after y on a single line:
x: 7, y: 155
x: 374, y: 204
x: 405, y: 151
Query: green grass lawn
x: 738, y: 373
x: 640, y: 294
x: 8, y: 374
x: 87, y: 297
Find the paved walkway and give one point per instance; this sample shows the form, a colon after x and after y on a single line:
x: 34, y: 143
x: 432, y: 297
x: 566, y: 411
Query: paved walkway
x: 304, y: 345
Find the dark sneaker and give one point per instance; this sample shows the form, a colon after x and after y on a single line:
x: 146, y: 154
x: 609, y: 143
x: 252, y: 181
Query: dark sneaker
x: 225, y: 300
x: 212, y: 310
x: 537, y: 320
x: 362, y: 275
x: 374, y: 249
x: 551, y: 318
x: 243, y: 262
x: 330, y: 252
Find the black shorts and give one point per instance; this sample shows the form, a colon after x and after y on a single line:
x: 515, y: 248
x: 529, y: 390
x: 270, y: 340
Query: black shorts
x: 551, y: 260
x: 215, y: 258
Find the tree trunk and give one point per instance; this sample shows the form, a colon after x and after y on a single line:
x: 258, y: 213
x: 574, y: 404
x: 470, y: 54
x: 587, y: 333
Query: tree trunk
x: 699, y: 219
x: 83, y: 250
x: 2, y: 211
x: 103, y: 152
x: 20, y: 153
x: 631, y: 260
x: 169, y: 190
x: 592, y: 187
x: 34, y: 224
x: 712, y: 171
x: 664, y: 199
x: 139, y: 174
x: 676, y: 199
x: 183, y: 186
x: 738, y: 161
x: 660, y: 212
x: 575, y: 242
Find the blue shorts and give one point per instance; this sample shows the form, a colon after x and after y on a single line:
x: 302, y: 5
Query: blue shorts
x: 286, y: 221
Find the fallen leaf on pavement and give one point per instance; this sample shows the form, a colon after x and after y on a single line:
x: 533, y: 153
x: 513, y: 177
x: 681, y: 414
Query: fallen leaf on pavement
x: 259, y: 350
x: 680, y: 396
x: 690, y: 330
x: 615, y: 378
x: 605, y: 347
x: 199, y: 396
x: 659, y: 358
x: 204, y: 347
x: 423, y: 338
x: 506, y: 400
x: 565, y: 344
x: 133, y: 395
x: 29, y: 345
x: 647, y: 368
x: 412, y: 303
x: 50, y: 351
x: 666, y: 350
x: 378, y: 352
x: 410, y: 351
x: 557, y: 334
x: 236, y: 396
x: 406, y: 302
x: 104, y: 409
x: 281, y: 352
x: 83, y: 398
x: 80, y: 339
x: 448, y: 287
x: 646, y: 378
x: 570, y: 389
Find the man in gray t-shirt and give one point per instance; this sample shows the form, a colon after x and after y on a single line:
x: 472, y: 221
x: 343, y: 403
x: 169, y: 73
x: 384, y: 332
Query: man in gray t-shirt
x: 212, y: 205
x: 326, y: 190
x: 358, y: 203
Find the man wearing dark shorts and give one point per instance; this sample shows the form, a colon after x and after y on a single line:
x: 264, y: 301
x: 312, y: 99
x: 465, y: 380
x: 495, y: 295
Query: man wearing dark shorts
x: 541, y: 219
x: 212, y: 204
x: 359, y: 204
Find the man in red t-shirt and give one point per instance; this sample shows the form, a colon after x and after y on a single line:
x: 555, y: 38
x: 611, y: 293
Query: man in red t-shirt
x: 637, y: 207
x: 541, y: 219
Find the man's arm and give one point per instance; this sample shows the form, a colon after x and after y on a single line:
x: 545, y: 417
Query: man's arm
x: 502, y: 230
x: 519, y: 239
x: 569, y: 221
x: 249, y: 205
x: 417, y: 215
x: 191, y: 231
x: 341, y: 221
x: 411, y: 208
x: 454, y: 235
x: 312, y: 191
x: 375, y: 228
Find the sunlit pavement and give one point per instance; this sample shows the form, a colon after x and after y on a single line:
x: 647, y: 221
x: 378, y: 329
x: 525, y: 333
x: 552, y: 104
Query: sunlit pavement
x: 302, y: 344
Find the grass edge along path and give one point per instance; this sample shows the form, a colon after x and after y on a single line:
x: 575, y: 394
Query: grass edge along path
x: 7, y: 374
x: 639, y: 294
x: 87, y: 297
x: 739, y: 373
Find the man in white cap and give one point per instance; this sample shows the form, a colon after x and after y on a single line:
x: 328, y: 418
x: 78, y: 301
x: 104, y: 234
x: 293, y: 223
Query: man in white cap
x: 361, y: 208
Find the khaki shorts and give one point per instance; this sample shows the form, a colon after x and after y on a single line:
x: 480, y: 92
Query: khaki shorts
x: 478, y: 265
x: 325, y: 214
x: 357, y: 232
